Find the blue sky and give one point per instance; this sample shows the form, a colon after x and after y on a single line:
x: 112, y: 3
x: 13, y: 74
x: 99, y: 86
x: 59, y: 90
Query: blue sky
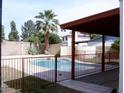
x: 67, y: 10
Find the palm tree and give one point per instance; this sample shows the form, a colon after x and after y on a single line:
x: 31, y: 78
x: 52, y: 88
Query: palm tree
x: 47, y: 24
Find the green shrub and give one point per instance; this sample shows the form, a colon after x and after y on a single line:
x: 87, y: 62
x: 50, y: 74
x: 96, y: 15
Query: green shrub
x: 54, y: 38
x: 116, y: 44
x: 33, y: 51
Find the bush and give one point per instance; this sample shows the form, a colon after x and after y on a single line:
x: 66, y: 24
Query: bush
x: 33, y: 51
x: 54, y: 38
x: 116, y: 44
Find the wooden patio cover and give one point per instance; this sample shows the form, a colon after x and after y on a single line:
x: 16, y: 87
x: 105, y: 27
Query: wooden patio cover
x: 105, y: 23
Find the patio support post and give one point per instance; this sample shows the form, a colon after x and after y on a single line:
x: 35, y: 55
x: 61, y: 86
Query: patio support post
x: 121, y: 65
x: 1, y: 41
x: 55, y: 69
x: 73, y: 56
x: 103, y: 53
x: 23, y: 85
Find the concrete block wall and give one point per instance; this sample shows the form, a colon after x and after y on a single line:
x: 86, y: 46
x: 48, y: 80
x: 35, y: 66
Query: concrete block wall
x: 9, y: 48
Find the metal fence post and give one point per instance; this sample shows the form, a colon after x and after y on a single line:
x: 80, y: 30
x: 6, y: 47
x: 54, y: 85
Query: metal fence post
x: 96, y: 57
x: 23, y: 74
x: 55, y: 69
x: 109, y: 57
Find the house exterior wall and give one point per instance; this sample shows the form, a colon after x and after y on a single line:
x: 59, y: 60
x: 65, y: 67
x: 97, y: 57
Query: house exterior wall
x: 98, y: 42
x: 67, y: 39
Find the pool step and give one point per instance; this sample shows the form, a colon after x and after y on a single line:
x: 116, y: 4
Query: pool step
x: 85, y: 87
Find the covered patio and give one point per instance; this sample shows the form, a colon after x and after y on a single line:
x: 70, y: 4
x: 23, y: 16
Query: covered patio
x: 108, y: 78
x: 105, y: 23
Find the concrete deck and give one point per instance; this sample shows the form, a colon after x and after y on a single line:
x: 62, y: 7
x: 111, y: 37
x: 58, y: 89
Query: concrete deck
x: 102, y: 82
x: 85, y: 87
x: 108, y: 78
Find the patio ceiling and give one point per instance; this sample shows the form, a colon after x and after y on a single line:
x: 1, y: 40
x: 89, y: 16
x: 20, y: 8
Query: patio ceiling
x: 106, y: 23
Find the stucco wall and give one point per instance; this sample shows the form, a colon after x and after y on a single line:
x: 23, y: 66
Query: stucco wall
x: 66, y: 50
x: 14, y: 48
x: 54, y: 48
x: 10, y: 48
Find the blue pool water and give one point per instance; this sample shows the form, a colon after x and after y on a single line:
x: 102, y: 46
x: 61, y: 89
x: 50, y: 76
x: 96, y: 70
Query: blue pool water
x: 62, y: 65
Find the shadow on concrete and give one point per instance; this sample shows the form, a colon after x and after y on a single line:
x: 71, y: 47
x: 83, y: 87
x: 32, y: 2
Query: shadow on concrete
x: 108, y: 78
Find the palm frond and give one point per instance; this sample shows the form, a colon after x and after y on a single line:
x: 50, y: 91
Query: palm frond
x: 47, y: 21
x: 40, y: 16
x: 56, y: 21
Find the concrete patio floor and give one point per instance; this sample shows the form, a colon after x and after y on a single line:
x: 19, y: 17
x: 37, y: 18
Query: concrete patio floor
x: 108, y: 79
x: 85, y: 87
x: 103, y: 82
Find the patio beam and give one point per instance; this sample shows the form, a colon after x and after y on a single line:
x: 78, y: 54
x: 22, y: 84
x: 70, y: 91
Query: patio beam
x: 103, y: 53
x: 73, y: 56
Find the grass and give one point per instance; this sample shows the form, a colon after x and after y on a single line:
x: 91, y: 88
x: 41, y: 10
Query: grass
x: 30, y: 84
x: 36, y: 85
x: 52, y: 89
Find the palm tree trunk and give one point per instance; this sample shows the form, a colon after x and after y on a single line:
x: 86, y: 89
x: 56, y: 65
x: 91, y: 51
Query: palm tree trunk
x: 46, y: 41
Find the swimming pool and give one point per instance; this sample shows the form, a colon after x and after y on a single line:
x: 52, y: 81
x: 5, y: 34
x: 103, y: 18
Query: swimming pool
x: 62, y: 65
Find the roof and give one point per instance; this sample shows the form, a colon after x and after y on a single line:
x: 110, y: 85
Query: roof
x: 106, y: 23
x: 79, y: 35
x: 99, y: 39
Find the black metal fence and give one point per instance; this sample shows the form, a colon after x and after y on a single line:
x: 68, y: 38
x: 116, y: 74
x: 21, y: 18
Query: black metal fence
x: 25, y: 73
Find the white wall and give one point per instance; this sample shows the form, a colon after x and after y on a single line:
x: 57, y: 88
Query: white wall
x: 107, y: 43
x: 69, y: 42
x: 9, y: 48
x: 86, y: 49
x: 66, y: 50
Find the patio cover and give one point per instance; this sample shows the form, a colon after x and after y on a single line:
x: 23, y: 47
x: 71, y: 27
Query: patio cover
x: 105, y: 23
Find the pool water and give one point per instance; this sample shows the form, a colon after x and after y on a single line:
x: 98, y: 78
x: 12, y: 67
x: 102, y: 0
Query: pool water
x: 62, y: 65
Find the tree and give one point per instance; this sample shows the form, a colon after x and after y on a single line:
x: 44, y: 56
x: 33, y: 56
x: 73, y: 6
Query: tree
x: 47, y: 23
x: 27, y: 30
x: 41, y: 37
x: 53, y: 38
x: 13, y: 35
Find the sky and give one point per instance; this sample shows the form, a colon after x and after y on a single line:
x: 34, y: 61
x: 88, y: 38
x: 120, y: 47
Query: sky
x: 66, y: 10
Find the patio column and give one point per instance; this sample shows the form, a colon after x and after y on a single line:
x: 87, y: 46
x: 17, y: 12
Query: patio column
x: 121, y: 49
x: 0, y: 38
x: 103, y: 53
x: 73, y: 56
